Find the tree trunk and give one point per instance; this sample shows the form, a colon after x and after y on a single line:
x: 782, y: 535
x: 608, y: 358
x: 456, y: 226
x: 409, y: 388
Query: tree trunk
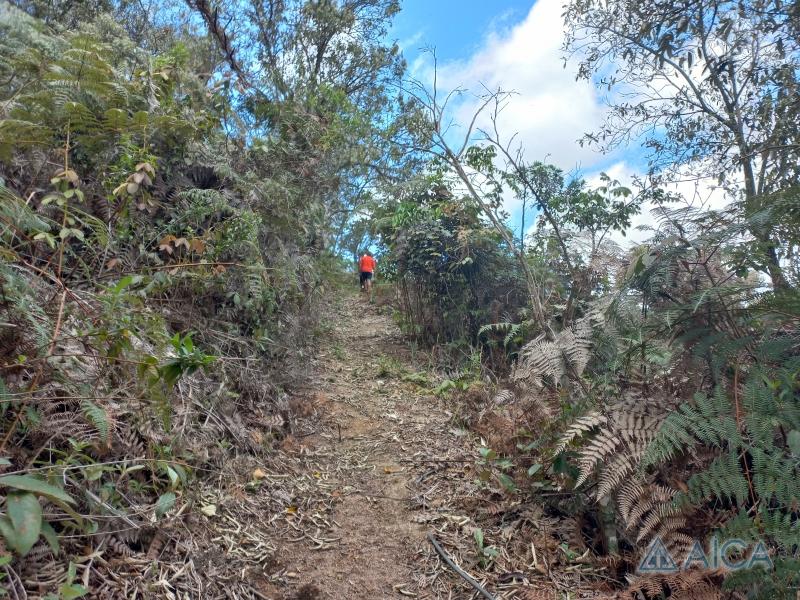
x: 767, y: 243
x: 540, y: 316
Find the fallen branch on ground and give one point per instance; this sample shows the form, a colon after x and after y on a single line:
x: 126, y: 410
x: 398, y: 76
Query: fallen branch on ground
x: 449, y: 561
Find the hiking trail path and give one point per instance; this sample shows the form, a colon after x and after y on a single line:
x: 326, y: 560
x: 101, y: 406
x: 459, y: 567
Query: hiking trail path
x: 382, y: 451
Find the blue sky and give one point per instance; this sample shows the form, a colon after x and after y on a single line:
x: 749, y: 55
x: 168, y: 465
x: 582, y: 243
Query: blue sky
x: 455, y: 27
x: 515, y: 45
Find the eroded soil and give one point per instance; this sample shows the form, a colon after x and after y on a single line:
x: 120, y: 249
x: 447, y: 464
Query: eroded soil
x: 376, y: 426
x: 366, y: 463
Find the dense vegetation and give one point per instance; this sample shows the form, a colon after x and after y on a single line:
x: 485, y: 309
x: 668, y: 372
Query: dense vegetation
x: 179, y: 193
x: 167, y: 225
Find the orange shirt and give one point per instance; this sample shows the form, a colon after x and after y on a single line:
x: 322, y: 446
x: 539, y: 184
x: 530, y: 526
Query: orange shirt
x: 366, y: 264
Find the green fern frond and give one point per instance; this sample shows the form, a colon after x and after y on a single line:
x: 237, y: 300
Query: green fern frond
x: 21, y: 299
x: 724, y: 479
x: 776, y: 477
x: 17, y: 212
x: 98, y: 417
x: 708, y: 420
x: 501, y: 328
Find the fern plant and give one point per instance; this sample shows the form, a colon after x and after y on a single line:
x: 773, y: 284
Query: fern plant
x: 544, y: 362
x: 705, y: 331
x: 755, y: 464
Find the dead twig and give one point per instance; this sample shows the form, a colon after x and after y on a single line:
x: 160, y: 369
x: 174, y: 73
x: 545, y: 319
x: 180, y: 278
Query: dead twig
x: 463, y: 574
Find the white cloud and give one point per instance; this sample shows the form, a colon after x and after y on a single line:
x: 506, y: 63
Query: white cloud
x: 411, y: 41
x: 550, y: 110
x: 700, y: 193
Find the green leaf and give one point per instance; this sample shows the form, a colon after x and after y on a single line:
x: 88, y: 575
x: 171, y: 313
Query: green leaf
x: 43, y: 235
x: 487, y: 453
x: 122, y: 284
x: 533, y: 469
x: 49, y: 534
x: 68, y: 232
x: 793, y: 440
x: 171, y: 372
x: 505, y: 464
x: 7, y: 531
x: 29, y: 483
x: 165, y: 503
x: 478, y: 535
x: 93, y: 472
x: 72, y: 591
x: 506, y: 482
x: 57, y: 198
x: 182, y: 477
x: 25, y: 514
x: 173, y: 475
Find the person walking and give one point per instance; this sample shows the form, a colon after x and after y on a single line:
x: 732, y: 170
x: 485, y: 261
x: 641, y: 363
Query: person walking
x: 366, y: 267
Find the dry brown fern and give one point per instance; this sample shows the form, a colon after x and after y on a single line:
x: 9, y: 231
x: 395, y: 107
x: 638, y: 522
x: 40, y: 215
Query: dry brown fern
x: 580, y: 427
x: 544, y: 361
x: 60, y: 420
x: 635, y: 499
x: 537, y: 594
x: 156, y: 544
x: 619, y: 469
x: 125, y: 542
x: 37, y: 559
x: 625, y: 430
x: 498, y: 428
x: 694, y: 584
x: 504, y: 396
x: 614, y: 441
x: 130, y: 442
x: 647, y: 512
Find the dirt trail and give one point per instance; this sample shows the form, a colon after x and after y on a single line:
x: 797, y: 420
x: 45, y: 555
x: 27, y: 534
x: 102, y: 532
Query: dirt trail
x: 375, y: 423
x: 367, y: 463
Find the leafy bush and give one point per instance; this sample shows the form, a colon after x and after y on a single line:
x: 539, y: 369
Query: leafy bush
x: 450, y: 268
x: 163, y: 247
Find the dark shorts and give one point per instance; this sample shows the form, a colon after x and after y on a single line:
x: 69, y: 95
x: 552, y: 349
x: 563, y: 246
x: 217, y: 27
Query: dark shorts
x: 365, y: 275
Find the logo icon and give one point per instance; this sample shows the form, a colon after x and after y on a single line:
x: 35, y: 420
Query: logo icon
x: 730, y: 555
x: 657, y: 559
